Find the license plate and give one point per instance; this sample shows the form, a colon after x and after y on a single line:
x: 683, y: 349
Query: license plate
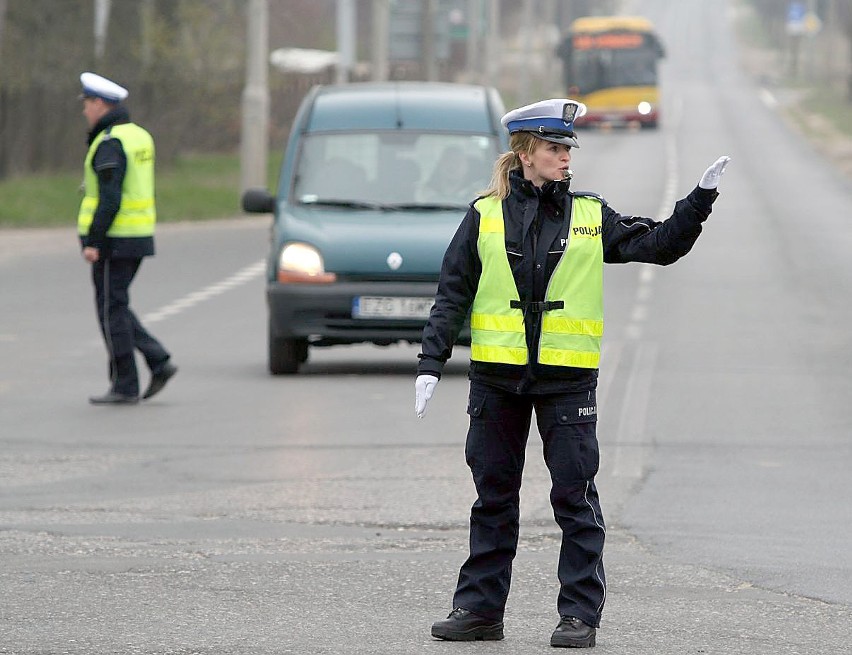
x: 391, y: 307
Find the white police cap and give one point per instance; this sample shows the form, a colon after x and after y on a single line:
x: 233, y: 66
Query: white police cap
x: 551, y: 120
x: 95, y: 86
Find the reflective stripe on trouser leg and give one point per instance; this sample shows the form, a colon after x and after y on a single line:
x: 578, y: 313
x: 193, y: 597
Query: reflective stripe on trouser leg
x: 582, y: 590
x: 113, y: 369
x: 568, y: 428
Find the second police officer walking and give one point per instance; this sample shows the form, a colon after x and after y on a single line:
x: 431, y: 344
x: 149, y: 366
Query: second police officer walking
x: 527, y: 264
x: 116, y: 226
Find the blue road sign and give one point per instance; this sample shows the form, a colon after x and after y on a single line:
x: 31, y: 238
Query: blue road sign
x: 796, y: 12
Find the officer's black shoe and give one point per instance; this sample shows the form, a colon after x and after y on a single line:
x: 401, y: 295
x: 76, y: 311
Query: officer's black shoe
x: 573, y: 633
x: 462, y: 625
x: 113, y: 398
x: 159, y: 379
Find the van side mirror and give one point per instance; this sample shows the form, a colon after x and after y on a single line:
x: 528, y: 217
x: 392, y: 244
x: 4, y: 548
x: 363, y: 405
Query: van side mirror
x: 258, y: 201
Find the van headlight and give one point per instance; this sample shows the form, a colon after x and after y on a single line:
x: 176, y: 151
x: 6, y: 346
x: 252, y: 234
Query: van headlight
x: 302, y: 263
x: 644, y: 108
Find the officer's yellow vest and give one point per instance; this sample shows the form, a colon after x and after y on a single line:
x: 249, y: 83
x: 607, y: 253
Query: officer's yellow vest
x: 570, y: 336
x: 137, y: 214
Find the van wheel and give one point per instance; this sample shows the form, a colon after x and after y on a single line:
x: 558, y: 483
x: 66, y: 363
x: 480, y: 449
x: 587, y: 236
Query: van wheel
x: 285, y: 355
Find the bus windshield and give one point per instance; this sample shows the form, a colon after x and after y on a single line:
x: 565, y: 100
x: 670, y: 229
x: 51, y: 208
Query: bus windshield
x: 601, y: 69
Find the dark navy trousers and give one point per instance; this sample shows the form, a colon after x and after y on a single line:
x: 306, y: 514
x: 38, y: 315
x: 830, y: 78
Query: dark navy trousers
x: 495, y: 448
x: 122, y: 331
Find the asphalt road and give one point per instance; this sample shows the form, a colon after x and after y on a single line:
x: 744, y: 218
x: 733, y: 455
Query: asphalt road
x: 238, y: 513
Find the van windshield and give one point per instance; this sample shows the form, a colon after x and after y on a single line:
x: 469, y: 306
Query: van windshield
x: 393, y: 168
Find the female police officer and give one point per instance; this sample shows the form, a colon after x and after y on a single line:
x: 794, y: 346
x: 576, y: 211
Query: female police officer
x: 526, y: 263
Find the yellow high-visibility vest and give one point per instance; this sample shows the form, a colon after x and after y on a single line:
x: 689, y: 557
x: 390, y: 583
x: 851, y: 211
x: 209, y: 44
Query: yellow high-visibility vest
x: 137, y: 214
x: 570, y: 334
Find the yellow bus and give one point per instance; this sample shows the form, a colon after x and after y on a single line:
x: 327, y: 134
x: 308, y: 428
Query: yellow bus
x: 610, y: 65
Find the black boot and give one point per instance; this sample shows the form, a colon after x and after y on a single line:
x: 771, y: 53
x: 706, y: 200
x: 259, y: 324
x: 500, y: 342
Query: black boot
x: 573, y: 633
x: 462, y: 625
x: 159, y: 379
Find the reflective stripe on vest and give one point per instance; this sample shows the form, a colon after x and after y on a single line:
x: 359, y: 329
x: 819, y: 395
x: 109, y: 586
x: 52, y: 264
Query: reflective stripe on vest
x: 137, y: 214
x: 496, y: 329
x: 570, y: 336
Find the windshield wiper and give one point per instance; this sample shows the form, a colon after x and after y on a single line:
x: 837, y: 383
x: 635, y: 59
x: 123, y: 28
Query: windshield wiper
x: 389, y: 207
x: 351, y: 204
x: 422, y: 206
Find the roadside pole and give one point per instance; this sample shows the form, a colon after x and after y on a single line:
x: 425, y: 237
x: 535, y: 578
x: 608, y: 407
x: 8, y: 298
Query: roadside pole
x: 254, y: 143
x: 345, y: 40
x: 381, y: 30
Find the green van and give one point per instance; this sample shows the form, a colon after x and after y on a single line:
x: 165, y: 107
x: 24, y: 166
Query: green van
x: 375, y: 180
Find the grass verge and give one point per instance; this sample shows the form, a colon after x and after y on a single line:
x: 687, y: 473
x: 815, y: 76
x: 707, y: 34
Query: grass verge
x: 194, y: 187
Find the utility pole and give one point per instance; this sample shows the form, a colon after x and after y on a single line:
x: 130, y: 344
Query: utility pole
x: 102, y: 8
x: 254, y: 145
x: 345, y: 39
x: 381, y: 36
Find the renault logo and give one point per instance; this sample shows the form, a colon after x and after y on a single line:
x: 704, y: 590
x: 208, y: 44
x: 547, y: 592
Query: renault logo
x: 394, y: 261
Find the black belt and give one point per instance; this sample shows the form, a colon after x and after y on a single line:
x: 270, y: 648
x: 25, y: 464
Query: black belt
x: 537, y: 307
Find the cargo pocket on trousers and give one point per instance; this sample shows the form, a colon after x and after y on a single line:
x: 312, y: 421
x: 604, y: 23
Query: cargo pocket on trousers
x: 576, y: 447
x: 475, y: 403
x: 474, y: 443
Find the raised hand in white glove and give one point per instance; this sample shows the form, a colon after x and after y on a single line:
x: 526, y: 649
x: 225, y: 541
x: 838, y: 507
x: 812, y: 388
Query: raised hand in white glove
x: 424, y: 387
x: 711, y: 177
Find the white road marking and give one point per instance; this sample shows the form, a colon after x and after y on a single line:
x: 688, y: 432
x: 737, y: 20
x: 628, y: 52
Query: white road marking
x: 768, y: 98
x: 632, y: 442
x: 640, y: 313
x: 196, y: 297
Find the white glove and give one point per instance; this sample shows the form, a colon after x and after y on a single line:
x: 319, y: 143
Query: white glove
x: 711, y: 177
x: 424, y: 387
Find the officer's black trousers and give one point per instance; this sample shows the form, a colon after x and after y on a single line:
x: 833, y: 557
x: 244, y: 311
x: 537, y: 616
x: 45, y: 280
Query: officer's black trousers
x: 122, y: 331
x: 495, y: 448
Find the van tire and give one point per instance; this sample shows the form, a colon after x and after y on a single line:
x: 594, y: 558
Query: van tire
x: 285, y: 355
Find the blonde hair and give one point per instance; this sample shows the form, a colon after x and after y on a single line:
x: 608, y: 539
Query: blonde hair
x: 518, y: 142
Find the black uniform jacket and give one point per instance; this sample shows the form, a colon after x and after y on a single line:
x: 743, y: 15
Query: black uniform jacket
x: 110, y: 165
x: 535, y: 228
